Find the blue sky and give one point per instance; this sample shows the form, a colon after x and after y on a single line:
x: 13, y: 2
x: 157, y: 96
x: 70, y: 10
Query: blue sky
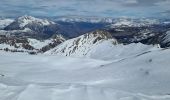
x: 103, y: 8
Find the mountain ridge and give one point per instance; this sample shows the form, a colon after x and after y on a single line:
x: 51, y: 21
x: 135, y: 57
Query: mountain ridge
x: 81, y: 45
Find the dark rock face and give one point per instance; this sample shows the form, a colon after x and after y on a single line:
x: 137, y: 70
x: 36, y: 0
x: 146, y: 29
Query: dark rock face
x: 165, y: 39
x: 50, y: 45
x: 13, y: 26
x: 14, y: 41
x: 57, y: 39
x: 153, y: 34
x: 20, y: 44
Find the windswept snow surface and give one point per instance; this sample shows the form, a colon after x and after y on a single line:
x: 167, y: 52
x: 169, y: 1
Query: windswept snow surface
x: 143, y: 76
x: 39, y: 44
x: 118, y: 51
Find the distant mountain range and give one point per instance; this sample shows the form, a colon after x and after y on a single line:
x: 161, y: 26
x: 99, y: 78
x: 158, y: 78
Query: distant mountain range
x: 71, y: 36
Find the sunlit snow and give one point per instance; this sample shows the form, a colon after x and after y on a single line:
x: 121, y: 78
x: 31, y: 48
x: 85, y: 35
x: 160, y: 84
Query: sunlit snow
x: 129, y: 74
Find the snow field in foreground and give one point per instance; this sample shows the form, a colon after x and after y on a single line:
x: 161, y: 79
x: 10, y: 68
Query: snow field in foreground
x: 139, y: 76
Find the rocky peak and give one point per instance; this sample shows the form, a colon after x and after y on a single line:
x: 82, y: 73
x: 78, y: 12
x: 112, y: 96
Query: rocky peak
x: 97, y: 35
x: 58, y: 37
x: 25, y: 20
x: 101, y: 33
x: 26, y: 17
x: 83, y: 44
x: 41, y: 28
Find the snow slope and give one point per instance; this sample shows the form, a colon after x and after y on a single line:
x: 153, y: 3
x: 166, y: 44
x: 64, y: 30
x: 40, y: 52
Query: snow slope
x: 50, y: 77
x: 81, y: 45
x: 96, y: 44
x: 5, y: 22
x: 119, y: 51
x: 25, y: 20
x: 39, y: 44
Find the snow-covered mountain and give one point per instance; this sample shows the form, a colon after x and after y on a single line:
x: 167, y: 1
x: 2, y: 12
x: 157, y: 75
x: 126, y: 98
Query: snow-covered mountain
x: 81, y: 45
x: 115, y: 22
x: 124, y: 30
x: 84, y: 19
x: 84, y: 44
x: 166, y: 39
x: 72, y: 26
x: 78, y: 25
x: 128, y: 22
x: 96, y: 44
x: 5, y: 22
x: 25, y: 21
x: 56, y: 40
x: 40, y: 28
x: 20, y: 44
x: 14, y: 44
